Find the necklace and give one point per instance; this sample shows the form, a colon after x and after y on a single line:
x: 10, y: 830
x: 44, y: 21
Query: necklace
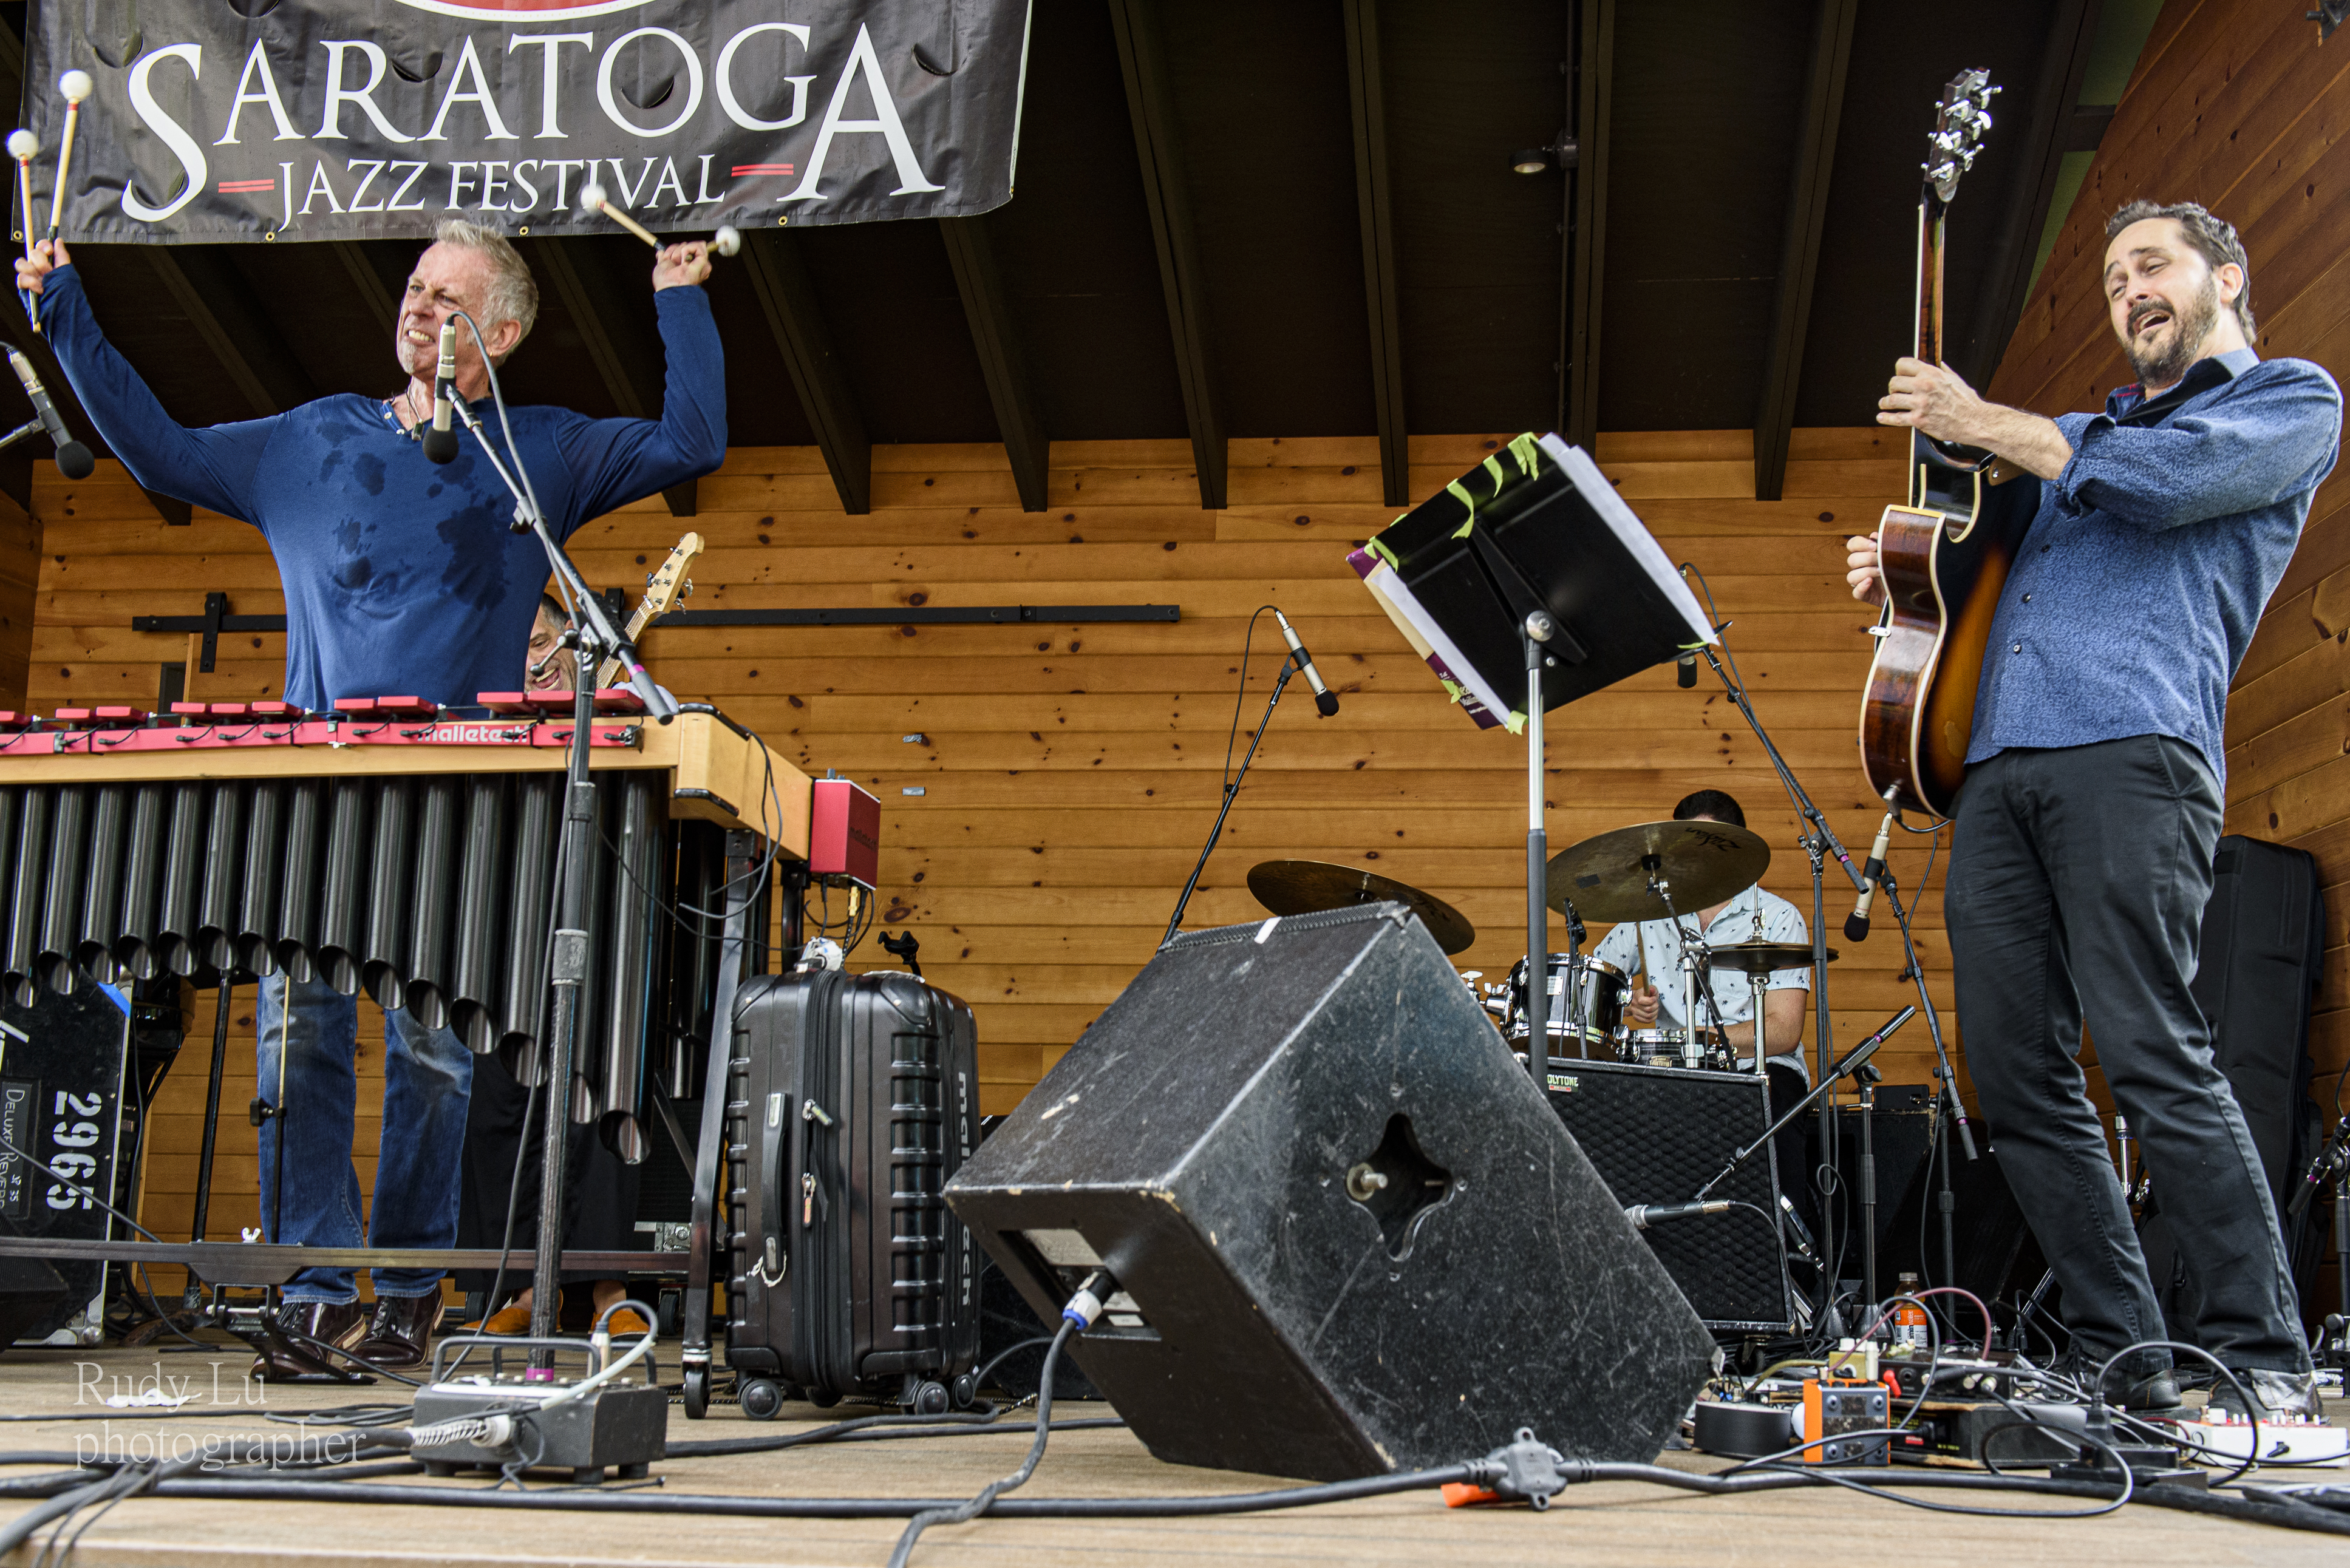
x: 406, y: 403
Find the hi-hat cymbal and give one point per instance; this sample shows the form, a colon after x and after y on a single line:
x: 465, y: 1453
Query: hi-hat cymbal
x: 1762, y: 958
x: 1704, y: 863
x: 1305, y: 886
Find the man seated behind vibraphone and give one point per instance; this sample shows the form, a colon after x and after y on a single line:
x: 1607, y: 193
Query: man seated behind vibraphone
x: 401, y: 579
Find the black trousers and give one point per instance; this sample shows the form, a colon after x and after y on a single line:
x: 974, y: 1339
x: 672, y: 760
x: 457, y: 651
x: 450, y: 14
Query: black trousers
x: 599, y: 1189
x: 2078, y: 876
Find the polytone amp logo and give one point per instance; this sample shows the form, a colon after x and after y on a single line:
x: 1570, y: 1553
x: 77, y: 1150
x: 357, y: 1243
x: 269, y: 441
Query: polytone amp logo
x: 537, y: 10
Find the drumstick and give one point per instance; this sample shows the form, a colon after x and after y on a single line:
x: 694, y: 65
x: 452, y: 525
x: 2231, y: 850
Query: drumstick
x: 23, y: 145
x: 594, y: 197
x: 76, y: 86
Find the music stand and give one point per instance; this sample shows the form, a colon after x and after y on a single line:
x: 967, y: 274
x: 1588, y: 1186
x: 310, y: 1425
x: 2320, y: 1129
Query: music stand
x: 1528, y: 574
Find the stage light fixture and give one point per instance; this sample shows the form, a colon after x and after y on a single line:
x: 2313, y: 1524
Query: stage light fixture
x: 1560, y: 154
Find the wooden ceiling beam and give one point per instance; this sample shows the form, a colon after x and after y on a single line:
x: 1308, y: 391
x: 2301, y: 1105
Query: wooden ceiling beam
x: 1594, y: 97
x: 1799, y: 255
x: 231, y: 321
x: 1150, y: 105
x: 787, y: 294
x: 1373, y: 202
x: 1001, y: 362
x: 382, y: 307
x: 2051, y: 132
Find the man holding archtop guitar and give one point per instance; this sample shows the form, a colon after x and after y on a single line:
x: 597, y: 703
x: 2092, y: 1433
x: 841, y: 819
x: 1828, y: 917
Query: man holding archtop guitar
x: 2092, y: 793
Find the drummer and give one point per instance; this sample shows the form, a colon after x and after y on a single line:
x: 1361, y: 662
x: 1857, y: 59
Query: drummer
x: 1786, y: 995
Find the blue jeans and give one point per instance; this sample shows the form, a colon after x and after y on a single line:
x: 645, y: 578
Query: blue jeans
x: 428, y: 1075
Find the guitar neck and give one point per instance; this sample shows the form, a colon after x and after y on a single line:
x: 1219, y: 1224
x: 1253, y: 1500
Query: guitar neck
x: 1931, y: 214
x: 608, y: 673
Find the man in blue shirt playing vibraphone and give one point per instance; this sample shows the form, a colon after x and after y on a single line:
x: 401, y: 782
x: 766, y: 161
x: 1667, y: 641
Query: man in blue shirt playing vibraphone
x: 400, y: 578
x: 2082, y: 855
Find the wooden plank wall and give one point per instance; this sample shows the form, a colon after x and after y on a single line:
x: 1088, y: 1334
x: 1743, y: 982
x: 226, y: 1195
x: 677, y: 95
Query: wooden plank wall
x: 1067, y: 774
x: 2235, y: 106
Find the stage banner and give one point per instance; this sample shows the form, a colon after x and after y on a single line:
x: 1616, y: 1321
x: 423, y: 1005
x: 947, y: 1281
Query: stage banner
x: 314, y: 120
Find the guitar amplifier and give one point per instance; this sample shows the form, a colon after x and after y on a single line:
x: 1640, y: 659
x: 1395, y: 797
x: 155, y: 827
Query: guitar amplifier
x: 1656, y: 1135
x: 62, y: 1077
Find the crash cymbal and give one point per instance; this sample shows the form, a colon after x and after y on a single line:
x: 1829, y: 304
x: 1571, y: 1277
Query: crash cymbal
x: 1606, y: 876
x: 1304, y: 886
x: 1762, y: 958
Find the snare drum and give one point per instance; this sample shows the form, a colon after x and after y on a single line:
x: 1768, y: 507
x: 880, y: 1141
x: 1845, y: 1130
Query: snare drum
x: 1603, y: 986
x: 1663, y: 1048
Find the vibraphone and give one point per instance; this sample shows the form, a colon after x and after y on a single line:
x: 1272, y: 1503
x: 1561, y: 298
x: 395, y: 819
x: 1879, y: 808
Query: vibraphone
x: 394, y: 848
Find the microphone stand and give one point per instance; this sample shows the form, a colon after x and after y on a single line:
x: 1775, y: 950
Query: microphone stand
x: 597, y: 639
x: 1231, y: 789
x: 1816, y: 844
x: 1948, y: 1107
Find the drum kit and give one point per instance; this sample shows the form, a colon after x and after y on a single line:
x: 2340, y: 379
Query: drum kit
x: 1651, y: 871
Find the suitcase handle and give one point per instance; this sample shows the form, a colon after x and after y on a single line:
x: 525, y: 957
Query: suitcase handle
x: 771, y: 1257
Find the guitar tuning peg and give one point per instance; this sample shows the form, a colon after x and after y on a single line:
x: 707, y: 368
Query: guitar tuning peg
x: 689, y: 588
x: 1986, y: 121
x: 1967, y: 159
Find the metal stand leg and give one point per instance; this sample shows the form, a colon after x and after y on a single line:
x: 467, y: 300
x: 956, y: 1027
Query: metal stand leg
x: 1536, y: 631
x: 191, y: 1295
x: 1867, y: 1196
x: 702, y: 1245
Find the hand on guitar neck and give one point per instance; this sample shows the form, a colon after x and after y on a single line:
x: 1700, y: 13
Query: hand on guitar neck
x: 1937, y: 401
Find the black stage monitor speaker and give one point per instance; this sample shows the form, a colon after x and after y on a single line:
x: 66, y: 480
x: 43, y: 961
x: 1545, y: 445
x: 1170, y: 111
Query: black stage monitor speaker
x: 1656, y: 1135
x: 1350, y: 1234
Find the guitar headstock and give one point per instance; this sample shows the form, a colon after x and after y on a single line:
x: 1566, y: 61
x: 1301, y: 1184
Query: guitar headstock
x: 662, y: 588
x: 1961, y: 116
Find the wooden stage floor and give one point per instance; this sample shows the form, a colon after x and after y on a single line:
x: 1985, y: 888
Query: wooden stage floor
x: 1597, y: 1525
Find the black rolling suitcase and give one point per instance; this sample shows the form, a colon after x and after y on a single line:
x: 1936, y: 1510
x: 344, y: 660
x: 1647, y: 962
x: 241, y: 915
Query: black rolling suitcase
x: 852, y: 1100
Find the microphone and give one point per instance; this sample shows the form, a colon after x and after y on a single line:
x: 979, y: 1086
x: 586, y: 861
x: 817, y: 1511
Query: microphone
x: 74, y: 460
x: 2314, y: 1177
x: 1325, y: 701
x: 1686, y: 676
x: 1855, y: 924
x: 1643, y: 1215
x: 440, y: 441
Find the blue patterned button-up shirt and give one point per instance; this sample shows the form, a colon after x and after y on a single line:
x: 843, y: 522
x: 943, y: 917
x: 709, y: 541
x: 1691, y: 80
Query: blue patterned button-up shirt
x: 2144, y: 574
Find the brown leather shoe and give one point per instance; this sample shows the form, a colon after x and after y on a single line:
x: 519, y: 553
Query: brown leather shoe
x: 339, y: 1324
x: 400, y: 1334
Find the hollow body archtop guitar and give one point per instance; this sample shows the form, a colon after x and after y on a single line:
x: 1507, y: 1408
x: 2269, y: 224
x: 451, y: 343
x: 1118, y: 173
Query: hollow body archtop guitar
x: 1945, y: 555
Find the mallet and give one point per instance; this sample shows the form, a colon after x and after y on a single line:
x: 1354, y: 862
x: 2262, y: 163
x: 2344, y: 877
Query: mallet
x: 594, y: 197
x: 76, y: 86
x: 24, y: 147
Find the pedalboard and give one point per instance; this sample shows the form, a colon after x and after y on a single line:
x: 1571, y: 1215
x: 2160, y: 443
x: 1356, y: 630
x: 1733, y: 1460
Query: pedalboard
x: 1833, y: 1411
x: 503, y: 1419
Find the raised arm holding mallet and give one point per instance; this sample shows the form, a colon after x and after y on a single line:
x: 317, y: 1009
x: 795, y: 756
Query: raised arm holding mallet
x: 594, y: 197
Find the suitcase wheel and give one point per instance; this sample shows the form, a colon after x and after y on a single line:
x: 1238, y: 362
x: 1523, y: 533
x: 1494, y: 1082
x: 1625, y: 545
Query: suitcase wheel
x: 823, y: 1399
x: 966, y: 1390
x: 697, y: 1393
x: 928, y: 1399
x: 761, y: 1399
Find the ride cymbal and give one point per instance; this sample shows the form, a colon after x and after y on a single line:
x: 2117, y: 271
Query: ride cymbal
x: 1703, y: 863
x: 1307, y: 887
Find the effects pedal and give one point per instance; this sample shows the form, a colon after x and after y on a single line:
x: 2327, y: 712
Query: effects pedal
x: 504, y: 1419
x: 1833, y: 1411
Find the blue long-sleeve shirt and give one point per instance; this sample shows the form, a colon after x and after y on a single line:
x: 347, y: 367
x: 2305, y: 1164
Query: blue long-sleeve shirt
x: 401, y: 579
x: 2144, y: 574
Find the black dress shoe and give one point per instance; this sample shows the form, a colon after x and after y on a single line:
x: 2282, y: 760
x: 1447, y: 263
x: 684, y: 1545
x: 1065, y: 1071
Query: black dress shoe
x: 2155, y: 1392
x: 400, y: 1334
x: 339, y: 1323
